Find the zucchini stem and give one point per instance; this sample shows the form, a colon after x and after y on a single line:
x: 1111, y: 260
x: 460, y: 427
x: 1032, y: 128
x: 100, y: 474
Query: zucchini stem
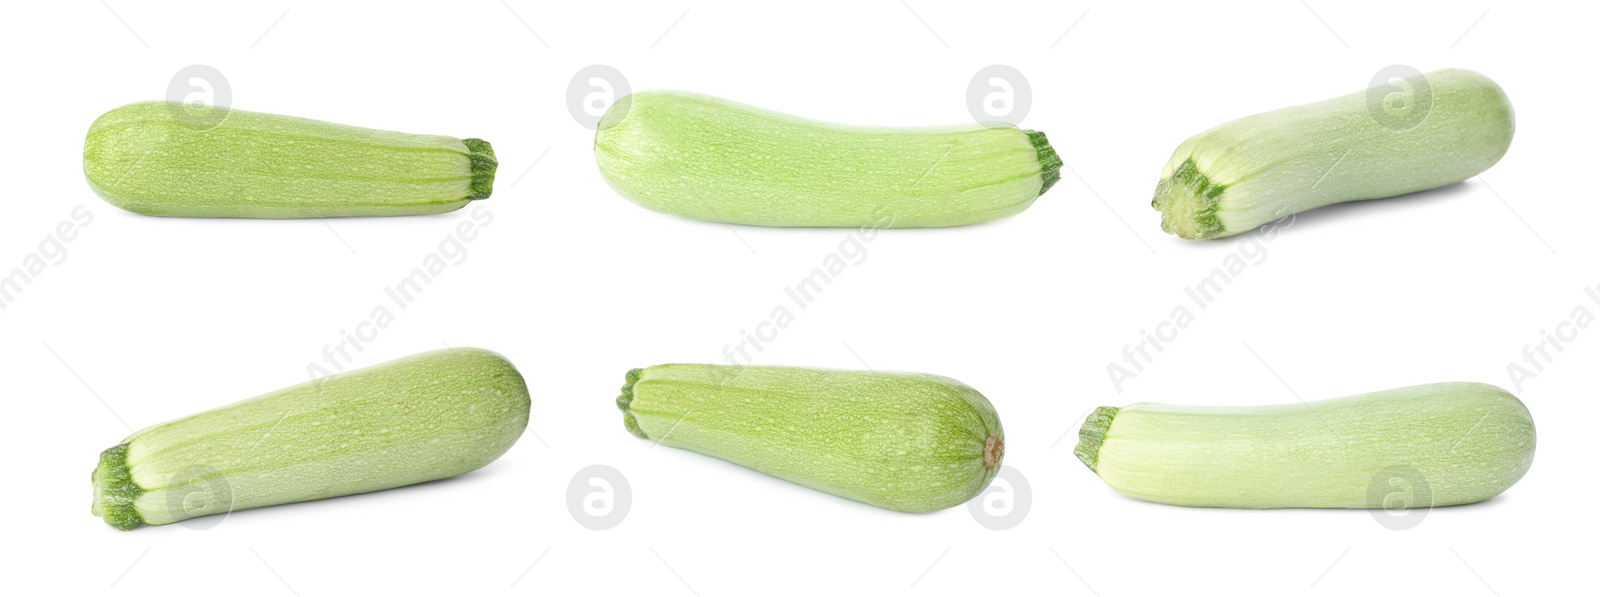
x: 625, y: 400
x: 1093, y: 434
x: 115, y: 491
x: 484, y: 165
x: 1049, y: 161
x: 1188, y: 202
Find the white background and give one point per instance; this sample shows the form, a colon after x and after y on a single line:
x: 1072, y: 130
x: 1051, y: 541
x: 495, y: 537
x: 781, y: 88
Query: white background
x: 146, y: 319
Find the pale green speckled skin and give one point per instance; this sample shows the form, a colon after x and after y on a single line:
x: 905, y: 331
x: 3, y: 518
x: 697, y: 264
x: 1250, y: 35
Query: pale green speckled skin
x: 143, y: 159
x: 1469, y: 441
x: 1268, y: 166
x: 710, y: 159
x: 421, y: 418
x: 903, y: 441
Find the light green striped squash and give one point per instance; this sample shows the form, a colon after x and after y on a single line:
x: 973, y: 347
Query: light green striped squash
x: 903, y: 441
x: 421, y: 418
x: 1456, y: 443
x: 167, y: 159
x: 710, y: 159
x: 1261, y: 168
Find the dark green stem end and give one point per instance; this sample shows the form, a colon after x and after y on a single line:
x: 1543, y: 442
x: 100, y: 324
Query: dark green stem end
x: 1049, y: 162
x: 1188, y: 203
x: 483, y: 166
x: 115, y: 491
x: 626, y: 400
x: 1092, y: 434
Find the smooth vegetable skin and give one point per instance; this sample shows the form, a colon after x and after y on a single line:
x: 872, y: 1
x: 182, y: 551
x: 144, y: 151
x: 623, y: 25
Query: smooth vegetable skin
x: 903, y: 441
x: 1466, y: 441
x: 1261, y: 168
x: 711, y: 159
x: 424, y: 417
x: 153, y: 158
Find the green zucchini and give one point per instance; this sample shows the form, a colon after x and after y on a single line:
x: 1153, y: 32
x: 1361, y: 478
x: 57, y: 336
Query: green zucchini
x: 152, y: 159
x: 1467, y: 441
x: 1261, y: 168
x: 903, y: 441
x: 424, y: 417
x: 711, y: 159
